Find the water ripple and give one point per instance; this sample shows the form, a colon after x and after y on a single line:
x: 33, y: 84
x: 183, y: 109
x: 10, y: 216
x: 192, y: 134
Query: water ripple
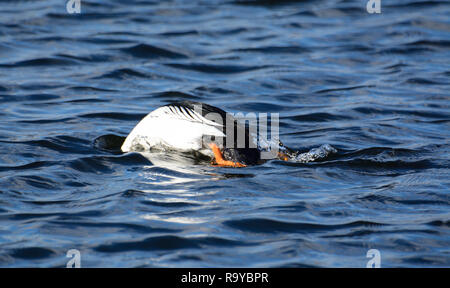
x: 362, y: 97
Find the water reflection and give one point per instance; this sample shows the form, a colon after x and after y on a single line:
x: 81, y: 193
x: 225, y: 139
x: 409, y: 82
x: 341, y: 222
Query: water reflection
x: 175, y: 168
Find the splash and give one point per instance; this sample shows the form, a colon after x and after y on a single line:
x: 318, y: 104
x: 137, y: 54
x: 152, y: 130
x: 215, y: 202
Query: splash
x: 315, y: 154
x: 312, y: 155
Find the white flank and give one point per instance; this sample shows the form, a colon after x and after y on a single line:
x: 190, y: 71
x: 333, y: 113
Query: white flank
x: 175, y: 127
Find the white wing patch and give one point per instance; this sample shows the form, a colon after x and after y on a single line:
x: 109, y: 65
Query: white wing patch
x: 172, y: 126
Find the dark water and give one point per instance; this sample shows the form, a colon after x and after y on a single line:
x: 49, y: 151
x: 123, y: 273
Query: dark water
x: 375, y: 87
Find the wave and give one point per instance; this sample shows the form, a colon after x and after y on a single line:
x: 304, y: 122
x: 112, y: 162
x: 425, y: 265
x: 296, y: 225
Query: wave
x: 258, y: 225
x: 150, y: 52
x: 167, y: 242
x: 48, y: 61
x: 219, y: 69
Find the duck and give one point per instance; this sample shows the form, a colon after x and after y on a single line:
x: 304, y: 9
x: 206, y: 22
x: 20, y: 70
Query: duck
x: 189, y: 126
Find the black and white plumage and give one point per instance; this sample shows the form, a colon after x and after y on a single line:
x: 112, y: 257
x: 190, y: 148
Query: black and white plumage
x: 184, y: 126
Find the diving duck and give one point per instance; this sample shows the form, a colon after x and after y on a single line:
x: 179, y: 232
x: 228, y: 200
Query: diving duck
x: 188, y: 126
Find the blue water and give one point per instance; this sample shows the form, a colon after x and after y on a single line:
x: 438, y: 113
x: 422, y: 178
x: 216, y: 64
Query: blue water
x: 374, y: 87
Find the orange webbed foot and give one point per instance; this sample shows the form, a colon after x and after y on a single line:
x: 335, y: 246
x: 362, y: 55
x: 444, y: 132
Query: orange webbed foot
x: 219, y: 158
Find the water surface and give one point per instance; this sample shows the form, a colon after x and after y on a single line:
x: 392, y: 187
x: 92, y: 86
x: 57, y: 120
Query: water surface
x: 375, y: 87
